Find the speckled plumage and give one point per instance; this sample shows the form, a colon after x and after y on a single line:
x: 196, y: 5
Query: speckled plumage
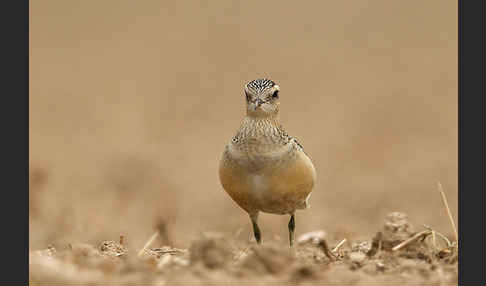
x: 263, y: 168
x: 261, y: 84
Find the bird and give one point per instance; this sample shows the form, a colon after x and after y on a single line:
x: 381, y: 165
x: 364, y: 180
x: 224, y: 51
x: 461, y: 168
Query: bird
x: 263, y: 168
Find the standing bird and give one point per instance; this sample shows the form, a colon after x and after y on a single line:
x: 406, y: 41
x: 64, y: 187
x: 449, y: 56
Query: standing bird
x: 263, y: 168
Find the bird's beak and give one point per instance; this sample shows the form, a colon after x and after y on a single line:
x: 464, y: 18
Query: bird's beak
x: 257, y: 103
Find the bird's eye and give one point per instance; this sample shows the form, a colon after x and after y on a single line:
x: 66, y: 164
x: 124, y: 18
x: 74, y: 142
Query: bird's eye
x: 275, y: 94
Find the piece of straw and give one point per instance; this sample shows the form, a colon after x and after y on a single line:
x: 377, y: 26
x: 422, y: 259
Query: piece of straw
x: 339, y: 245
x: 327, y: 252
x: 148, y: 243
x: 411, y: 239
x: 444, y: 200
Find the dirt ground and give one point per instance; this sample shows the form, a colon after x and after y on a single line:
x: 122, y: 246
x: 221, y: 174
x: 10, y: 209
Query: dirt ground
x: 396, y: 255
x: 132, y: 102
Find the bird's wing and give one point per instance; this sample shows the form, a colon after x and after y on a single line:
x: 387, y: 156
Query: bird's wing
x: 298, y: 143
x: 290, y: 139
x: 299, y: 146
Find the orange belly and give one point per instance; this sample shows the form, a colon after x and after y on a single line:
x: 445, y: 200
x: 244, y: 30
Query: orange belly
x: 278, y: 188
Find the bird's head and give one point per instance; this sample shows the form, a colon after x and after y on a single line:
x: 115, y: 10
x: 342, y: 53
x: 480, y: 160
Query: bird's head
x: 262, y: 98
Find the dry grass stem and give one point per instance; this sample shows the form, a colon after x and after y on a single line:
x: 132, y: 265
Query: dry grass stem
x: 451, y: 219
x: 148, y: 243
x: 339, y: 245
x: 434, y: 238
x: 416, y: 237
x: 325, y: 249
x: 449, y: 243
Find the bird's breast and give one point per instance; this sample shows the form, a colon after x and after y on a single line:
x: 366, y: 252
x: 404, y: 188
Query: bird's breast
x: 258, y: 184
x: 256, y: 161
x: 277, y: 182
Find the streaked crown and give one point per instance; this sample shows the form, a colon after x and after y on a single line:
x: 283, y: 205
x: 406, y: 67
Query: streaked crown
x: 260, y: 85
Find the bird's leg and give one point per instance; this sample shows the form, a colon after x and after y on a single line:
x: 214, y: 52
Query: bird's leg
x: 291, y: 229
x: 256, y: 229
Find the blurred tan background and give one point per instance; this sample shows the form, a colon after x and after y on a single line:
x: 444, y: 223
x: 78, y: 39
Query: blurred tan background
x: 132, y: 102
